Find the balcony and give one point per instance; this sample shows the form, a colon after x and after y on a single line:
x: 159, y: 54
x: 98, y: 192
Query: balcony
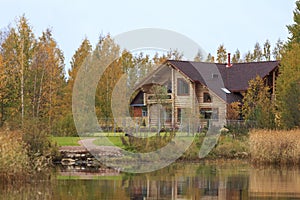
x: 154, y: 98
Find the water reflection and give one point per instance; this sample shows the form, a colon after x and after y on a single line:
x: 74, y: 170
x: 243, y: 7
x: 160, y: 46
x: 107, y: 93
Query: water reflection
x: 178, y: 181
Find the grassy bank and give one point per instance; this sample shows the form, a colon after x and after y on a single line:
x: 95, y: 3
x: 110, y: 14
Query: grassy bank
x: 258, y: 146
x: 275, y: 147
x: 66, y: 141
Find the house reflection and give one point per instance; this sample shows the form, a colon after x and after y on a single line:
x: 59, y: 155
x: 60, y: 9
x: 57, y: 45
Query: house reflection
x: 183, y: 188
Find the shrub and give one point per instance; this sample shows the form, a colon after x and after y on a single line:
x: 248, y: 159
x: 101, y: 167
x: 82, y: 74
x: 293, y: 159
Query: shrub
x: 40, y: 149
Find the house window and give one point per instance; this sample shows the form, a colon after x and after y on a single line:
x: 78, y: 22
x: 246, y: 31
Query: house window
x: 144, y: 112
x: 182, y: 87
x: 179, y: 115
x: 168, y: 86
x: 209, y: 113
x: 206, y: 113
x: 206, y: 97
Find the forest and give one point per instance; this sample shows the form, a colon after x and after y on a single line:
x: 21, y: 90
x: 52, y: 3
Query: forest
x: 36, y: 93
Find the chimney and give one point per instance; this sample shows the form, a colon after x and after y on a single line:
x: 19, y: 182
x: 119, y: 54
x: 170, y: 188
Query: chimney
x: 229, y: 61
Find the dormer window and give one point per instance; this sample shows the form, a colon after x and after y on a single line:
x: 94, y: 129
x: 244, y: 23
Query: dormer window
x: 206, y: 97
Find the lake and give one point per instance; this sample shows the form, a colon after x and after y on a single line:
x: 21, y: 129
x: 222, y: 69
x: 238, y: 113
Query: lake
x: 218, y: 180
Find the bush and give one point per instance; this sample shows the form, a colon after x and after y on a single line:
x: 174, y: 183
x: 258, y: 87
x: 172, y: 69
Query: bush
x: 229, y: 148
x: 275, y: 147
x: 65, y: 127
x: 40, y: 148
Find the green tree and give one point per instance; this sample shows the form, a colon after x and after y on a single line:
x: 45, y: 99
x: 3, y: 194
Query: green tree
x: 294, y: 29
x: 106, y: 56
x: 288, y: 89
x: 236, y: 57
x: 257, y: 53
x: 221, y: 54
x: 248, y: 57
x: 278, y: 50
x: 258, y: 106
x: 210, y: 58
x: 267, y: 51
x: 66, y: 125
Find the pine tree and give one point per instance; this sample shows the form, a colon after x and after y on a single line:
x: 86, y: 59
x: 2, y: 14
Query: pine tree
x: 257, y: 53
x: 236, y: 57
x: 210, y: 58
x: 248, y: 57
x: 221, y: 54
x: 267, y: 51
x: 294, y: 29
x: 278, y: 50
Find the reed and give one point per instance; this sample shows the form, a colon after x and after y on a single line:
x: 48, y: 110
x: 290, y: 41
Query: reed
x: 14, y: 159
x: 275, y: 147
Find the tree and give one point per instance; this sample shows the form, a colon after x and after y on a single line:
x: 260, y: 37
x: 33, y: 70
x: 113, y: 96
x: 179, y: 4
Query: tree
x: 288, y: 89
x: 106, y: 56
x: 198, y: 57
x: 248, y: 57
x: 9, y: 77
x: 258, y: 106
x: 210, y: 58
x: 278, y: 50
x: 66, y: 124
x: 48, y: 81
x: 78, y: 58
x: 17, y: 50
x: 294, y: 29
x: 267, y: 51
x: 233, y: 111
x: 257, y: 53
x: 236, y: 57
x: 174, y: 54
x: 221, y: 54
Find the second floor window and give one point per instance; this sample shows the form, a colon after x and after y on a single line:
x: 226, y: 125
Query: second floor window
x: 206, y: 97
x: 182, y: 87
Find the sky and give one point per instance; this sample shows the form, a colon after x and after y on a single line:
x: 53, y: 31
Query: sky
x: 234, y: 23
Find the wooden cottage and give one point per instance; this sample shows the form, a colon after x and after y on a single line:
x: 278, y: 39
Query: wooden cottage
x: 195, y: 89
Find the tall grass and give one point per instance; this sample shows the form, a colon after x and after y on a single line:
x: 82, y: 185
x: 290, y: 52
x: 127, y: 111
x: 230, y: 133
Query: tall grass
x: 14, y: 159
x: 23, y: 154
x: 275, y: 147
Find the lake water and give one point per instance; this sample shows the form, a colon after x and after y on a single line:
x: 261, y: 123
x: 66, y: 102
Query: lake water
x: 222, y: 180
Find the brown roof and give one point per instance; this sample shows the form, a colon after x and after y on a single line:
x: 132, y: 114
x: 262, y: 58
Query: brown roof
x: 217, y: 76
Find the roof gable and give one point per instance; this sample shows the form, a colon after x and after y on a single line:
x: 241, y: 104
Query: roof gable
x: 235, y: 78
x: 217, y: 76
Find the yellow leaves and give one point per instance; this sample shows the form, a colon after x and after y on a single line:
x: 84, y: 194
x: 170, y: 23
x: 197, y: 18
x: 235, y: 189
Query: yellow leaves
x: 233, y: 111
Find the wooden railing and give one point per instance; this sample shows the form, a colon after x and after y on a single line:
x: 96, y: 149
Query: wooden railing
x: 154, y: 98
